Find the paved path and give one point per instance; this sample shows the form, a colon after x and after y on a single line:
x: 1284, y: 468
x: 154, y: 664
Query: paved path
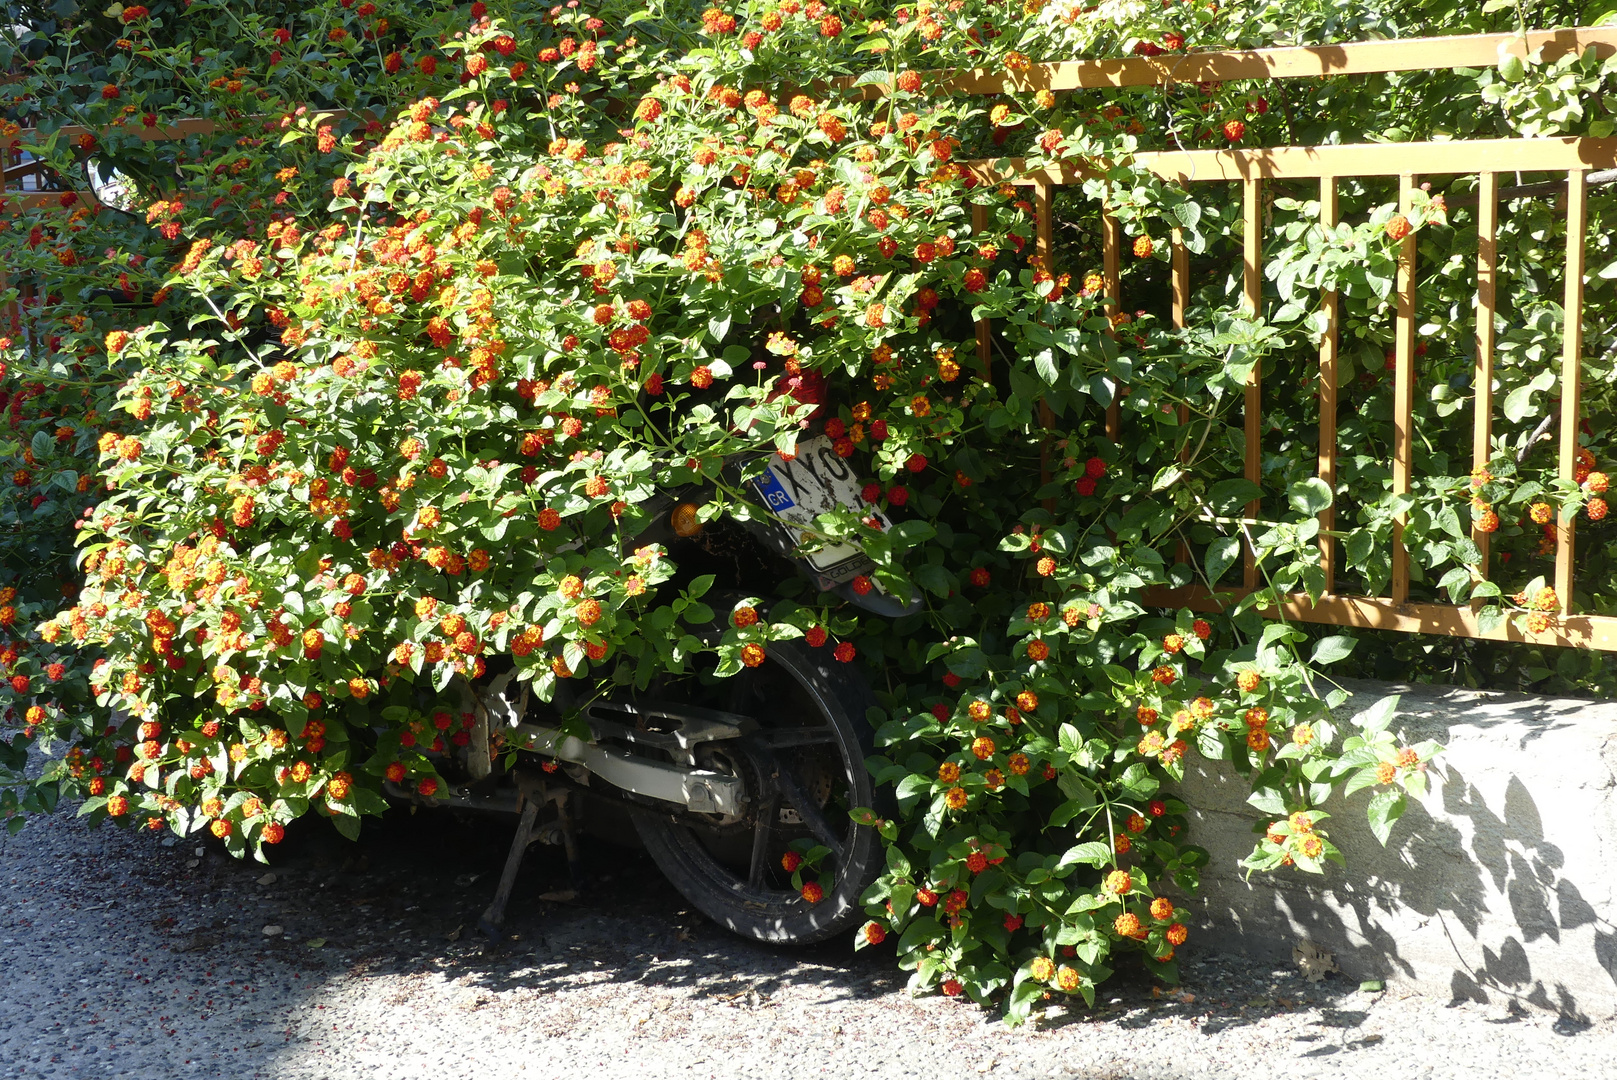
x: 128, y: 959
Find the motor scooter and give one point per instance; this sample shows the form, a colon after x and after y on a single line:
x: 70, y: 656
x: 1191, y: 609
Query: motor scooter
x: 720, y: 777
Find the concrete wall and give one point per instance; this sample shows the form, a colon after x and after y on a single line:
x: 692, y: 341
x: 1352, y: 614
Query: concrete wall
x: 1501, y: 884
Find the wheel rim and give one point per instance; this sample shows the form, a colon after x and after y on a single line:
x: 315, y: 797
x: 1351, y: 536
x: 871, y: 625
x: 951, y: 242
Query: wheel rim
x: 800, y: 747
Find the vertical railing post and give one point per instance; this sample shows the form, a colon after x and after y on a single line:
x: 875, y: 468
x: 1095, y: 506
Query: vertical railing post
x: 979, y: 225
x: 1043, y: 195
x: 9, y: 314
x: 1403, y: 393
x: 1043, y: 215
x: 1180, y: 280
x: 1328, y: 351
x: 1111, y: 244
x: 1252, y: 295
x: 1482, y: 378
x: 1577, y: 212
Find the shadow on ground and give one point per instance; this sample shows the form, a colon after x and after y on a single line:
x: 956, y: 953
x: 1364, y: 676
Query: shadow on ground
x: 409, y: 893
x: 406, y: 898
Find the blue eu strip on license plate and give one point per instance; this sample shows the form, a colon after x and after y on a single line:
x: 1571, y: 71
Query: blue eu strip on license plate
x: 773, y: 494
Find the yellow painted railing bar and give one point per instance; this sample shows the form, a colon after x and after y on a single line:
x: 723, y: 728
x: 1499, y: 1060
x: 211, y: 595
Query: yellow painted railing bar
x: 1385, y: 159
x: 1403, y: 393
x: 1597, y: 632
x: 1313, y: 162
x: 979, y: 224
x: 1577, y: 212
x: 1355, y: 58
x: 1328, y: 351
x: 9, y: 314
x: 1044, y: 221
x: 47, y: 200
x: 1179, y: 280
x: 1252, y: 296
x: 1111, y: 244
x: 1482, y: 379
x: 1179, y: 277
x: 1044, y: 251
x: 179, y: 129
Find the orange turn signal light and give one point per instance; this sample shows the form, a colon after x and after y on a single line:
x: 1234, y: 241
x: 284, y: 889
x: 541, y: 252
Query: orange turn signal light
x: 683, y: 519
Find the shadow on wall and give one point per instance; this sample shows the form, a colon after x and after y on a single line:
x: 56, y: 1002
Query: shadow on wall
x: 1499, y: 885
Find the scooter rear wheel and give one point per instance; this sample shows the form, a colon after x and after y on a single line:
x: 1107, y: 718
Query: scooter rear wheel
x: 803, y: 771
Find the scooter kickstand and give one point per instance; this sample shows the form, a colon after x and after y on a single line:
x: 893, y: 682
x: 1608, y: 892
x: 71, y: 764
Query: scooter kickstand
x: 569, y: 839
x: 494, y: 917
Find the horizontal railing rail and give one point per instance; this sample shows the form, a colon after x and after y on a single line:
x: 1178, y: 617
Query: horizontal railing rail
x: 1305, y: 61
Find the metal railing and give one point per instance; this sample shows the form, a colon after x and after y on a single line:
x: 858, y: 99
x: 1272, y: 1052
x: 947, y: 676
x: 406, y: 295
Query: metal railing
x: 1486, y: 158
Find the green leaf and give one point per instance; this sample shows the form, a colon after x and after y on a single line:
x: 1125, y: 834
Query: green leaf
x: 1167, y: 478
x: 1231, y: 496
x: 1309, y: 496
x: 1221, y: 555
x: 1093, y: 853
x: 902, y: 894
x: 898, y: 864
x: 1331, y: 649
x: 1138, y: 781
x: 934, y: 579
x: 910, y: 789
x: 968, y: 663
x: 1363, y: 778
x: 1120, y: 676
x: 1022, y: 998
x: 1067, y: 811
x: 1385, y: 808
x: 1518, y: 403
x: 912, y: 532
x: 1458, y: 582
x: 1209, y: 743
x: 1358, y: 545
x: 1268, y: 799
x: 1377, y: 716
x: 1089, y: 902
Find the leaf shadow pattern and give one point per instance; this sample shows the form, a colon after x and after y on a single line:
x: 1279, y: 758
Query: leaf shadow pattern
x: 1476, y: 894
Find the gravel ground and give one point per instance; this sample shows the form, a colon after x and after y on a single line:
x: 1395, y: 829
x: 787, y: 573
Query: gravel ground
x: 131, y: 959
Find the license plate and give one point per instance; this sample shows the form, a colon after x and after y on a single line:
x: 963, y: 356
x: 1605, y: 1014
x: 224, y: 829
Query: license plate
x: 813, y: 482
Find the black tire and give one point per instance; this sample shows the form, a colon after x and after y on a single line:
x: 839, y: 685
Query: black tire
x: 800, y: 687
